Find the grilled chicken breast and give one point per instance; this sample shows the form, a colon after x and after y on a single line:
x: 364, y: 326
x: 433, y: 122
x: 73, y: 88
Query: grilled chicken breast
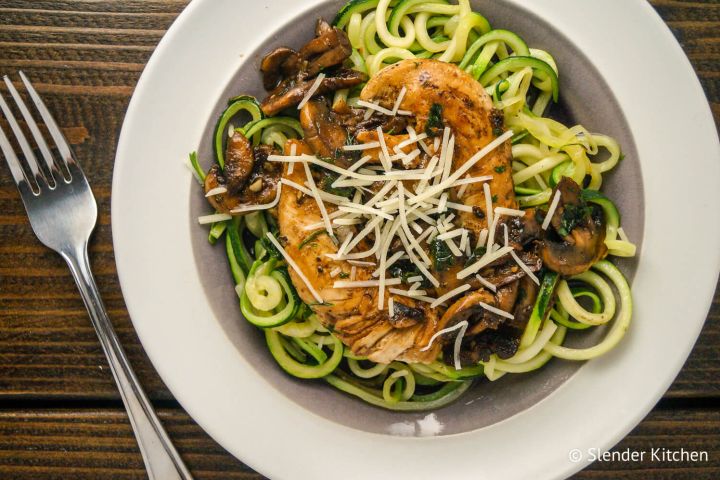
x: 437, y: 93
x: 467, y: 109
x: 352, y: 314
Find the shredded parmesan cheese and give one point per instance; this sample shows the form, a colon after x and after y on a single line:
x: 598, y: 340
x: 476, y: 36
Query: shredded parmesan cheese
x: 295, y: 267
x: 366, y: 283
x: 216, y: 217
x: 551, y: 210
x: 376, y: 107
x: 399, y: 100
x: 318, y: 199
x: 623, y: 235
x: 361, y: 146
x: 311, y: 91
x: 525, y: 268
x: 496, y: 311
x: 485, y: 260
x: 291, y: 165
x: 416, y: 294
x: 485, y: 283
x: 215, y: 191
x: 462, y: 326
x: 452, y: 293
x: 509, y: 212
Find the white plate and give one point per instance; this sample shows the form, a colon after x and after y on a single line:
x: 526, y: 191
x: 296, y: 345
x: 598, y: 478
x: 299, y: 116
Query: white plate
x: 678, y: 150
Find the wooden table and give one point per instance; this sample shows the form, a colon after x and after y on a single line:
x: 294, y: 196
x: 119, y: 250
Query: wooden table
x: 60, y: 414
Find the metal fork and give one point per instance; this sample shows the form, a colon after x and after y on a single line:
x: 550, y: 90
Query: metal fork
x: 63, y: 213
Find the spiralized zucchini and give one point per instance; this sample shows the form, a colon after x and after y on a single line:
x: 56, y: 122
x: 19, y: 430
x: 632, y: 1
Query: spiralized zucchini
x: 523, y: 82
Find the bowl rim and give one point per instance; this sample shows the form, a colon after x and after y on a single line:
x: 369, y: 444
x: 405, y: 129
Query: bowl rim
x: 262, y: 415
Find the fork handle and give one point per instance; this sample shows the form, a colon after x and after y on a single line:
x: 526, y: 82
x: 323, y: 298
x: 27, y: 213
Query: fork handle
x: 161, y: 459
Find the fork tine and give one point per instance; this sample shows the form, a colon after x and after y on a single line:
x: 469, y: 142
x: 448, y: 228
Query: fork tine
x: 32, y: 125
x: 55, y: 132
x: 10, y: 157
x: 29, y: 156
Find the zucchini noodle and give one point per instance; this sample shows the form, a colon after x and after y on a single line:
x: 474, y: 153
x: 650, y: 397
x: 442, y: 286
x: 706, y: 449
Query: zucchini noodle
x: 523, y: 83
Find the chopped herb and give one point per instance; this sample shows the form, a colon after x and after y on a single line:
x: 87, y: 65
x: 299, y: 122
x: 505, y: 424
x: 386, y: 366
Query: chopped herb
x: 435, y: 123
x: 519, y: 137
x: 572, y: 216
x: 311, y: 237
x: 404, y: 269
x: 475, y: 255
x: 500, y: 169
x: 344, y: 275
x: 270, y: 248
x: 321, y: 304
x: 328, y: 178
x: 442, y: 256
x: 494, y: 198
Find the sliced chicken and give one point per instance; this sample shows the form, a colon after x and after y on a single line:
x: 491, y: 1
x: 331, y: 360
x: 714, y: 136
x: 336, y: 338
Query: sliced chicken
x: 352, y: 314
x: 467, y: 109
x: 438, y: 95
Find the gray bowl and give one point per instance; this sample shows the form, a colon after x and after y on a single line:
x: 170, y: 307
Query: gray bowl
x: 584, y: 98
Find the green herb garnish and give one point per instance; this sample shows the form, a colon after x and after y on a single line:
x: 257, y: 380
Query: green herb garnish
x: 500, y: 169
x: 270, y: 248
x: 328, y: 178
x: 404, y: 269
x: 572, y: 216
x: 435, y: 123
x: 442, y: 256
x: 311, y: 237
x: 475, y: 255
x: 320, y: 304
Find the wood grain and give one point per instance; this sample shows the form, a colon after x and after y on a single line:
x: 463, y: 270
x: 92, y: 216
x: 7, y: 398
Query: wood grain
x: 98, y: 443
x: 85, y: 58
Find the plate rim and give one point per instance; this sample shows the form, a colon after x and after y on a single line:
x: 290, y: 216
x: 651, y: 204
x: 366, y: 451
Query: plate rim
x: 162, y: 355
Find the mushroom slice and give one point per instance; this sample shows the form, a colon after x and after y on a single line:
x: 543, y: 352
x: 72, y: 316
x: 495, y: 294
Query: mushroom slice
x: 580, y: 229
x: 330, y: 47
x: 405, y: 316
x: 290, y: 92
x: 281, y: 63
x: 239, y: 162
x: 468, y: 308
x: 325, y: 135
x: 248, y: 178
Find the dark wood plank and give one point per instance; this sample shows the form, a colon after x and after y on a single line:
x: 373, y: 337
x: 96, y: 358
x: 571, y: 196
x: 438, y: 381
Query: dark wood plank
x: 691, y: 430
x: 91, y: 444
